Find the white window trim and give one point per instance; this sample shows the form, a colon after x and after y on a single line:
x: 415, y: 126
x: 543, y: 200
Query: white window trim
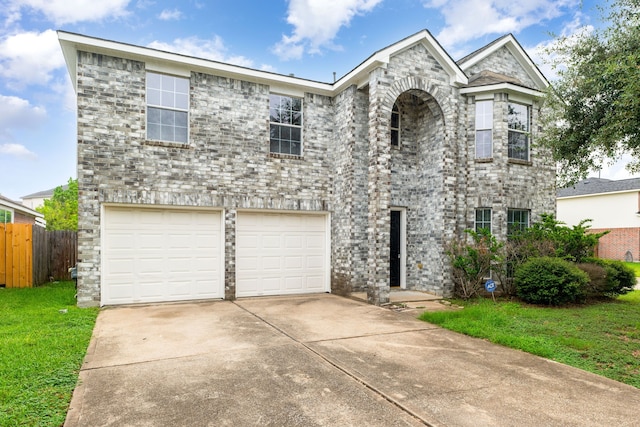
x: 397, y: 129
x: 477, y: 128
x: 528, y: 132
x: 11, y: 211
x: 301, y: 127
x: 475, y: 218
x: 161, y: 107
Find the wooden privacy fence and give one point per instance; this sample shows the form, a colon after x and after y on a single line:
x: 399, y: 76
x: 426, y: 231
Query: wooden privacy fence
x: 31, y: 255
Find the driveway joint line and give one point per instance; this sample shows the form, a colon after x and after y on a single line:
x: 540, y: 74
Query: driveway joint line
x: 369, y: 335
x: 344, y: 371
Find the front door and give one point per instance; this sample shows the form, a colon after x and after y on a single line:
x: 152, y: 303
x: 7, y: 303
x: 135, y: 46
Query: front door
x: 396, y: 250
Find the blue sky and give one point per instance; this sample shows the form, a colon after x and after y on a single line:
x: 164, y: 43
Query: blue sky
x: 310, y: 38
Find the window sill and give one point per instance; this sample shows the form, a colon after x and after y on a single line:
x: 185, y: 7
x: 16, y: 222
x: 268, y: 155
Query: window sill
x: 285, y: 156
x: 169, y: 144
x: 484, y: 160
x: 521, y: 162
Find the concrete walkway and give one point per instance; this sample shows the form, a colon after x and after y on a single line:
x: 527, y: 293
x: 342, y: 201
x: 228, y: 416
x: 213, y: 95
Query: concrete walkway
x: 322, y: 360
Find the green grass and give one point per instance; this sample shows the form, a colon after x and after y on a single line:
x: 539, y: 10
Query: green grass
x: 635, y: 266
x: 41, y: 350
x: 602, y: 338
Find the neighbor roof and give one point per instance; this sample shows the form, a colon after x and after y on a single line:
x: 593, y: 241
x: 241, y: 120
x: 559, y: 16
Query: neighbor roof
x: 18, y: 207
x: 591, y: 186
x: 44, y: 194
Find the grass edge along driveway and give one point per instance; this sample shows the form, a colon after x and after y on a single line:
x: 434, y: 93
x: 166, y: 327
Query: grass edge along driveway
x: 603, y: 338
x: 43, y: 339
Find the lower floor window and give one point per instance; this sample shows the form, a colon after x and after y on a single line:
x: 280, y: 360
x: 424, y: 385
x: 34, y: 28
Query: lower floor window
x: 517, y: 220
x: 483, y: 219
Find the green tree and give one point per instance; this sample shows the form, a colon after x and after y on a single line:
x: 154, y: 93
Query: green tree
x: 592, y: 112
x: 61, y: 211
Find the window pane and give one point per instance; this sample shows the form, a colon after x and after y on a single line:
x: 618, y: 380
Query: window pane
x: 395, y: 120
x: 296, y: 104
x: 483, y: 144
x: 180, y: 118
x: 181, y: 134
x: 154, y: 80
x: 296, y: 118
x: 285, y: 146
x: 182, y: 101
x: 168, y: 83
x: 275, y: 146
x: 484, y: 115
x: 153, y: 131
x: 296, y: 134
x: 296, y: 148
x: 182, y: 85
x: 153, y: 115
x: 274, y: 115
x: 285, y: 133
x: 518, y: 145
x: 166, y: 133
x: 168, y: 99
x: 518, y: 117
x: 395, y: 138
x: 167, y: 118
x: 154, y: 97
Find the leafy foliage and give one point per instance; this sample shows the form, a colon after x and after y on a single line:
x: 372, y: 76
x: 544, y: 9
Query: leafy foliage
x: 593, y: 111
x: 608, y: 277
x: 61, y: 211
x: 550, y: 281
x: 472, y: 261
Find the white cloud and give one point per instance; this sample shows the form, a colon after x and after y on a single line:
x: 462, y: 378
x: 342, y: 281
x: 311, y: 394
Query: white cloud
x: 19, y: 113
x: 316, y: 24
x: 63, y: 12
x: 210, y: 49
x: 471, y: 19
x: 543, y: 53
x: 170, y: 15
x: 30, y: 57
x: 17, y: 150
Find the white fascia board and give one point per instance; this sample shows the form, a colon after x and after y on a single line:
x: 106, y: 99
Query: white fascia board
x: 516, y: 50
x: 502, y: 88
x: 359, y: 75
x: 579, y: 196
x: 72, y: 43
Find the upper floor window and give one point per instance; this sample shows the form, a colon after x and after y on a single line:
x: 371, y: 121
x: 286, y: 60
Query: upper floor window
x: 519, y: 125
x: 395, y: 126
x: 484, y: 129
x: 517, y: 220
x: 285, y: 116
x: 167, y: 108
x: 483, y: 219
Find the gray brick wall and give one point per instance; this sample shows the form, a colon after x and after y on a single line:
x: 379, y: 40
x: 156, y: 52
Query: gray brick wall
x: 348, y: 167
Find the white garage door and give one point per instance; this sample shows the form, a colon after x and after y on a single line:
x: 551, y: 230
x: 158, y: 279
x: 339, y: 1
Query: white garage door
x: 281, y: 254
x: 156, y: 255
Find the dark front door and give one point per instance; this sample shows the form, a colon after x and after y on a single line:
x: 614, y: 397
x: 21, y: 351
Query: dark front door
x: 394, y: 270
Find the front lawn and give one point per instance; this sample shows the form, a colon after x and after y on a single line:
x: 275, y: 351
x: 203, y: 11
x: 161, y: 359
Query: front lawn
x: 602, y: 338
x: 43, y: 339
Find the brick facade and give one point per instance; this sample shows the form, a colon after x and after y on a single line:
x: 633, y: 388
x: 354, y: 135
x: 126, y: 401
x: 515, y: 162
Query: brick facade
x: 622, y: 244
x: 348, y: 168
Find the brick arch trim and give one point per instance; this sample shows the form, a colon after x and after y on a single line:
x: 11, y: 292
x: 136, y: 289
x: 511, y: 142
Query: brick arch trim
x: 416, y: 83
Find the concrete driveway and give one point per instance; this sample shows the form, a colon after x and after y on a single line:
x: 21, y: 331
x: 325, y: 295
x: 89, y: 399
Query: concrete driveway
x: 322, y: 360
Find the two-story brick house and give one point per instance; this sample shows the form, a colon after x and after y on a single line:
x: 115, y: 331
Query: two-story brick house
x: 199, y: 179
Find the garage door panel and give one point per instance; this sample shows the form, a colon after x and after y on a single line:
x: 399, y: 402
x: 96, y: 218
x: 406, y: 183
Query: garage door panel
x: 277, y: 253
x: 155, y: 255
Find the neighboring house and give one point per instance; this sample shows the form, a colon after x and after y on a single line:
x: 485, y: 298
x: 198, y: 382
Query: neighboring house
x: 16, y: 213
x: 36, y: 200
x: 199, y: 179
x: 611, y: 205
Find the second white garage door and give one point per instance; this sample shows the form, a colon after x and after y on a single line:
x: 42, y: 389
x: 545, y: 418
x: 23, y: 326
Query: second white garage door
x: 281, y: 254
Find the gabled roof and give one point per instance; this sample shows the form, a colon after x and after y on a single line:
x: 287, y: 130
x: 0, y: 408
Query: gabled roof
x: 71, y: 43
x: 593, y: 186
x: 18, y: 207
x: 510, y: 43
x: 44, y: 194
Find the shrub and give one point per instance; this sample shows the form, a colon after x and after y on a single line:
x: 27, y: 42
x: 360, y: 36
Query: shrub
x: 550, y: 281
x: 618, y: 278
x: 472, y: 260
